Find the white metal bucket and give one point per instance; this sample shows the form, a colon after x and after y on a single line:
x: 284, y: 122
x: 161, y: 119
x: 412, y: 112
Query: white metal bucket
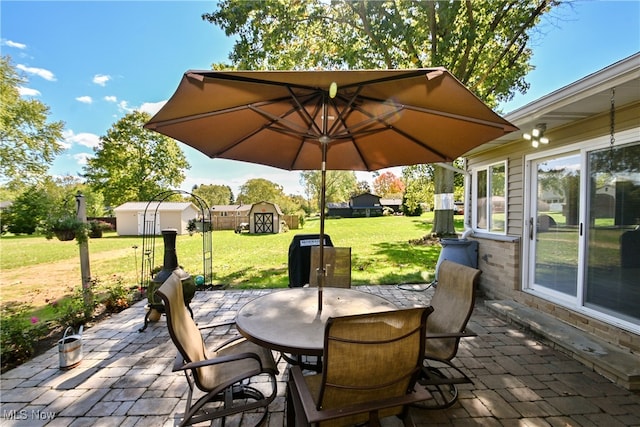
x: 70, y: 348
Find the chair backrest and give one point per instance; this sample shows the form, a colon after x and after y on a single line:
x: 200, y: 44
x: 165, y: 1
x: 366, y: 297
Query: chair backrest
x: 453, y: 303
x: 338, y: 264
x: 370, y: 357
x: 183, y: 330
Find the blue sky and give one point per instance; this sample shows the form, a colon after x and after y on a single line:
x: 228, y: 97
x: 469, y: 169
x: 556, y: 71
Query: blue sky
x: 92, y: 62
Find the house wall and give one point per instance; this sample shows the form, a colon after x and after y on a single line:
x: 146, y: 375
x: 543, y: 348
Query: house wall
x: 499, y: 261
x: 128, y: 220
x: 127, y: 223
x: 500, y: 257
x: 365, y: 200
x: 183, y: 219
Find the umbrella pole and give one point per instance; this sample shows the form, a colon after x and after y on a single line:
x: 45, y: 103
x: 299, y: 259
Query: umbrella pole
x: 322, y: 273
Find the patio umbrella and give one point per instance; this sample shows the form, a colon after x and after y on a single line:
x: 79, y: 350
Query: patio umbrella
x: 328, y: 120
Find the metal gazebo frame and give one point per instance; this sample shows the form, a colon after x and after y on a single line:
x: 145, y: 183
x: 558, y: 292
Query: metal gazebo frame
x: 149, y: 236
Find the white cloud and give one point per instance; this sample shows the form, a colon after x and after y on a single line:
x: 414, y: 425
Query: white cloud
x: 111, y: 98
x: 152, y: 107
x: 84, y: 99
x: 81, y: 158
x: 124, y: 106
x: 40, y: 72
x: 85, y: 139
x: 27, y: 91
x: 17, y: 45
x: 101, y: 79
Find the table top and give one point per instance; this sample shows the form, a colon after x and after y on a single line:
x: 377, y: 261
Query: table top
x: 289, y: 320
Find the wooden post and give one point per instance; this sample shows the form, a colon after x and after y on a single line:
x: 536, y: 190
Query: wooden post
x: 85, y: 270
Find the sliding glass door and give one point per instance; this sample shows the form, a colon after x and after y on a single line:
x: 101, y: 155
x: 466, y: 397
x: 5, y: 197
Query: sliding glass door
x: 554, y: 228
x: 583, y: 245
x: 612, y: 281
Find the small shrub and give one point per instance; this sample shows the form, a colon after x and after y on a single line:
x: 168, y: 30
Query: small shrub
x: 118, y: 296
x: 96, y: 228
x: 72, y: 310
x: 19, y: 334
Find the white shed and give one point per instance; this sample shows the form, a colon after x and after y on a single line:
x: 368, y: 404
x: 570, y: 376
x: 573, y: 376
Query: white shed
x: 130, y: 216
x: 265, y: 217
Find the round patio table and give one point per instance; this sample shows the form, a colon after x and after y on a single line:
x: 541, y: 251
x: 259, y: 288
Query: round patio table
x: 289, y: 321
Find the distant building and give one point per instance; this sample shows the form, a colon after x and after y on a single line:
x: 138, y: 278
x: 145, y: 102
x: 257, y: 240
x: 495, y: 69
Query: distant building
x: 362, y: 205
x: 265, y: 217
x: 130, y: 217
x: 395, y: 204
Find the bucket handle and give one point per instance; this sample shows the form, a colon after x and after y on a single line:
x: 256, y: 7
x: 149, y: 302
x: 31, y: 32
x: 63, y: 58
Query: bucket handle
x: 69, y: 328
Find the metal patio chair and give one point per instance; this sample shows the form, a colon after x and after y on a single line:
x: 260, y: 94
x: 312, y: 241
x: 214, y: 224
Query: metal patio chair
x: 224, y: 373
x: 453, y: 304
x: 370, y: 365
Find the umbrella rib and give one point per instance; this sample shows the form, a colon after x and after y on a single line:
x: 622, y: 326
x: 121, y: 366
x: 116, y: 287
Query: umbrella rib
x: 456, y: 116
x: 306, y: 114
x: 347, y: 108
x: 286, y: 125
x: 399, y: 76
x: 437, y: 112
x: 273, y: 119
x: 388, y: 126
x: 197, y: 116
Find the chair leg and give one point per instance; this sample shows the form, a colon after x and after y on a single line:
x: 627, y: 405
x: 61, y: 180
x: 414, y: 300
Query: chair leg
x: 442, y: 387
x: 228, y: 397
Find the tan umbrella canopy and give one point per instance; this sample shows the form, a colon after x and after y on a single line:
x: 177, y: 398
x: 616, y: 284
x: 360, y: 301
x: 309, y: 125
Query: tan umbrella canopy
x: 336, y: 120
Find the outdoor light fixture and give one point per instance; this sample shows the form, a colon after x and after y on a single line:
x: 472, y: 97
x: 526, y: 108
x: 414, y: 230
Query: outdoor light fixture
x: 537, y: 135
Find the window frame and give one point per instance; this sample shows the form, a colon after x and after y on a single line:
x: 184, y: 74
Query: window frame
x: 475, y: 171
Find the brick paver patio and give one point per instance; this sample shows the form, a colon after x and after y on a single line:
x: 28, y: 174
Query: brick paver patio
x: 125, y: 378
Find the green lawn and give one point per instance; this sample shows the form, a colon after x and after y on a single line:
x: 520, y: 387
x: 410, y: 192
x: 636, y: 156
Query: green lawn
x: 34, y: 270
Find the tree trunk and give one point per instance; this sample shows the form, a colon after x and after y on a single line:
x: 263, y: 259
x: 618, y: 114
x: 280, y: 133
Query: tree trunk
x: 443, y: 202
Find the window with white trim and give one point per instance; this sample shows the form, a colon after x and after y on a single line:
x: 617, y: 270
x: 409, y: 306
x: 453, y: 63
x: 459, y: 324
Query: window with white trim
x: 489, y: 212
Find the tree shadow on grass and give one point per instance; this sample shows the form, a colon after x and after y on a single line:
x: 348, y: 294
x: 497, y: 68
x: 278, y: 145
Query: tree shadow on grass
x: 407, y: 263
x: 424, y: 225
x: 254, y: 278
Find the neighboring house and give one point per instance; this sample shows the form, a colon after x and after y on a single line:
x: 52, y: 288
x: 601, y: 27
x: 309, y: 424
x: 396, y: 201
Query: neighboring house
x: 230, y: 210
x: 339, y: 209
x: 229, y: 217
x: 558, y: 224
x: 395, y: 204
x: 130, y: 217
x: 362, y: 205
x: 265, y: 217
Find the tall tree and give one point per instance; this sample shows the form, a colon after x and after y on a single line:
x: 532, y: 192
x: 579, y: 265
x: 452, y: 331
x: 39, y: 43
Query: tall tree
x: 387, y: 184
x: 214, y: 194
x: 340, y: 185
x: 259, y: 190
x: 28, y: 142
x: 50, y: 198
x: 134, y: 164
x: 484, y: 43
x: 362, y: 187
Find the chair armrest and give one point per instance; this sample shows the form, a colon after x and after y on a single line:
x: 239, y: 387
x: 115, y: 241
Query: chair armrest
x: 215, y: 361
x: 306, y: 399
x: 229, y: 341
x: 451, y: 335
x: 314, y: 415
x: 215, y: 325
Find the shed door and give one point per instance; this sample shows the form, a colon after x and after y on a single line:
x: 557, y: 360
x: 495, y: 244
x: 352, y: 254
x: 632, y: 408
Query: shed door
x: 263, y: 222
x: 149, y: 225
